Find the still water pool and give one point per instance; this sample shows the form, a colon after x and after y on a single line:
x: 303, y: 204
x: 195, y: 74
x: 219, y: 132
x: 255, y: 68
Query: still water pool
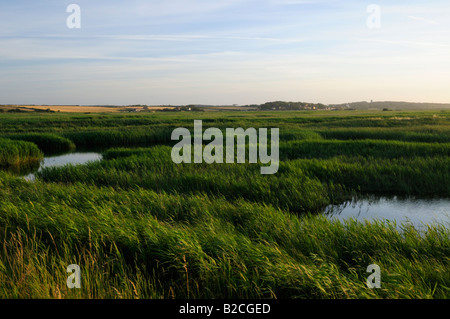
x: 412, y: 211
x: 74, y: 158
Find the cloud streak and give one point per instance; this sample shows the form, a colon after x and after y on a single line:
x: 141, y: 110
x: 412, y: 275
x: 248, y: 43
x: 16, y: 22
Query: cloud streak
x: 232, y: 51
x: 423, y: 20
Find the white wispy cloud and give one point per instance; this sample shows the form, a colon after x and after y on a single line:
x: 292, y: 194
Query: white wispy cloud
x: 193, y: 37
x: 407, y: 43
x: 299, y: 2
x: 237, y: 50
x: 422, y: 20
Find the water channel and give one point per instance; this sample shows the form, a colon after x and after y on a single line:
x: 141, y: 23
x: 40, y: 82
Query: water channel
x: 418, y: 212
x: 75, y: 158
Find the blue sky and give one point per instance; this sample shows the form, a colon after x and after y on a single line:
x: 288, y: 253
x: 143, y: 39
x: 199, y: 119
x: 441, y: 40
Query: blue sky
x: 223, y: 52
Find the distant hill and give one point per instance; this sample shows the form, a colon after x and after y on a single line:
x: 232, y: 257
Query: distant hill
x: 373, y: 105
x: 287, y: 106
x: 380, y: 105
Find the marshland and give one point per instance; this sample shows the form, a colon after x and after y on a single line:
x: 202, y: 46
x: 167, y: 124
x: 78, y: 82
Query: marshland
x: 141, y: 226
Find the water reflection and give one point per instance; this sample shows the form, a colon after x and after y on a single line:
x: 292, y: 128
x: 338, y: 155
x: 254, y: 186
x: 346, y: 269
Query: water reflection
x: 23, y: 169
x: 417, y: 212
x: 75, y: 158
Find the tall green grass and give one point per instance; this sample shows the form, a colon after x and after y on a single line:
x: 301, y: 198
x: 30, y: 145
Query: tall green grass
x: 142, y: 244
x: 141, y: 226
x: 335, y: 170
x: 14, y: 153
x: 364, y: 148
x: 295, y: 191
x: 120, y: 137
x: 425, y: 134
x: 48, y: 143
x: 418, y: 176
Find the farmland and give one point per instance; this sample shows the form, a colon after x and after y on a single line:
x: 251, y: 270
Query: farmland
x: 141, y: 226
x: 76, y: 108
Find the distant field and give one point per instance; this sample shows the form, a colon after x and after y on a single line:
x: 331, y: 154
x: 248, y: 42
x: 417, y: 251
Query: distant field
x: 227, y: 108
x: 75, y: 109
x: 81, y: 108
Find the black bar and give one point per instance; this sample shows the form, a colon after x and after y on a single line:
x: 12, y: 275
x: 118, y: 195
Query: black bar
x: 221, y: 308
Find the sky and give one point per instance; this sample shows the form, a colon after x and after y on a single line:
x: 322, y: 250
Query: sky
x: 178, y: 52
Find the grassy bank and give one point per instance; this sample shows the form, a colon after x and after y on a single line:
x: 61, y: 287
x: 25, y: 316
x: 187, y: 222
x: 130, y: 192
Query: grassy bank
x: 48, y: 143
x: 139, y: 243
x: 15, y: 153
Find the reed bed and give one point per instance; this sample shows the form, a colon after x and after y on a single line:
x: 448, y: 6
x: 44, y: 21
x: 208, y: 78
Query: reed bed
x: 142, y: 244
x: 15, y: 153
x: 47, y: 142
x: 141, y: 226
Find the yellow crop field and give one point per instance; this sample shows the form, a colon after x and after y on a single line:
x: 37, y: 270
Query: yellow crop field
x: 82, y: 108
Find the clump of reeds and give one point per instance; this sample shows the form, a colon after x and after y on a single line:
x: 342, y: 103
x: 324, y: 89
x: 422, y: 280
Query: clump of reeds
x: 14, y: 153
